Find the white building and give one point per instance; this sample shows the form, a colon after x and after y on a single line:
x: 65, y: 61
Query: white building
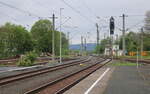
x: 116, y: 50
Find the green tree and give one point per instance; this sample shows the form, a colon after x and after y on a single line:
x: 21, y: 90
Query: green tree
x: 65, y: 44
x: 101, y: 48
x: 146, y: 34
x: 132, y: 41
x: 42, y: 35
x: 15, y: 40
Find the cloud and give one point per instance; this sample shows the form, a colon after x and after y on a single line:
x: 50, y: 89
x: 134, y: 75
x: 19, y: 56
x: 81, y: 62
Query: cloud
x: 85, y: 20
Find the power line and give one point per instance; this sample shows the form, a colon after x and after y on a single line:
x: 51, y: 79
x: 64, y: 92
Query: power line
x: 11, y: 17
x: 88, y: 8
x: 136, y: 15
x: 18, y: 9
x: 131, y: 27
x: 135, y: 25
x: 64, y: 22
x: 46, y: 7
x: 77, y: 11
x: 15, y: 20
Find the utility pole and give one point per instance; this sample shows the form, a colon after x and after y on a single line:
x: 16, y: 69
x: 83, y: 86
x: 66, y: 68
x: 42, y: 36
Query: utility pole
x: 141, y: 42
x: 123, y: 31
x: 81, y: 49
x: 137, y: 58
x: 117, y: 37
x: 53, y: 39
x: 68, y: 37
x: 97, y: 27
x: 117, y: 40
x: 85, y: 44
x: 104, y: 35
x: 60, y: 59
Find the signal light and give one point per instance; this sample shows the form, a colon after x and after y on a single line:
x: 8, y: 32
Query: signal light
x: 112, y: 25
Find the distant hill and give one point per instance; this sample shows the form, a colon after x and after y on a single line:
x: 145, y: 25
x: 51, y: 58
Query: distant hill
x: 90, y: 46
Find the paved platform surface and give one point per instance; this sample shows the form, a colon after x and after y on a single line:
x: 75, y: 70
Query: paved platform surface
x: 145, y: 73
x: 127, y: 80
x: 88, y: 85
x: 118, y: 80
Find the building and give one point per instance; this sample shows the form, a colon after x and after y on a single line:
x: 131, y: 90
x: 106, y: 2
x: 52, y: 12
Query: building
x: 116, y: 50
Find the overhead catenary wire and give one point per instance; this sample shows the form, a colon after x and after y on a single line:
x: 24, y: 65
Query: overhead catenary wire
x: 88, y: 8
x: 132, y: 15
x: 131, y: 27
x: 75, y: 10
x: 67, y: 18
x: 20, y: 10
x: 47, y: 8
x: 135, y: 25
x: 64, y: 22
x: 15, y: 20
x: 78, y: 32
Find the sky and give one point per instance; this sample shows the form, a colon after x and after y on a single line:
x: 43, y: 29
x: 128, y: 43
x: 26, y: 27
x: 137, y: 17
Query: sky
x: 84, y: 14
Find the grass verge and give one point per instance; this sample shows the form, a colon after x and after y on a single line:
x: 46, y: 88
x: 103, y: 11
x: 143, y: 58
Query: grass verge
x: 121, y: 63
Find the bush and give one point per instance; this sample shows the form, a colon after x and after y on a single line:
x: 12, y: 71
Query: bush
x: 148, y: 52
x: 28, y: 59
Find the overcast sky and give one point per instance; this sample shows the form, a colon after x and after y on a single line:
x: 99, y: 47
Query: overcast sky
x: 83, y: 14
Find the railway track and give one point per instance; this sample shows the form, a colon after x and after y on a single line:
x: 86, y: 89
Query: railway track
x: 44, y: 60
x: 62, y: 84
x: 27, y: 82
x: 146, y: 61
x: 12, y: 78
x: 142, y: 61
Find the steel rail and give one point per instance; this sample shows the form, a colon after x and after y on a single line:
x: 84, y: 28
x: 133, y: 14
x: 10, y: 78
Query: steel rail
x: 12, y: 78
x: 40, y: 88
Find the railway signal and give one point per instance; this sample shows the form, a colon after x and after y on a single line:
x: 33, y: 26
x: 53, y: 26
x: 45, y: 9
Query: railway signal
x: 112, y: 25
x: 112, y: 28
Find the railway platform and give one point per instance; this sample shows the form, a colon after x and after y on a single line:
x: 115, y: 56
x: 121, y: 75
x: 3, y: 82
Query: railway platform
x: 127, y: 80
x: 93, y: 84
x: 118, y: 80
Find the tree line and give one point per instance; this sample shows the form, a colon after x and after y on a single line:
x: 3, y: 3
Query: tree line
x: 16, y: 40
x: 133, y: 40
